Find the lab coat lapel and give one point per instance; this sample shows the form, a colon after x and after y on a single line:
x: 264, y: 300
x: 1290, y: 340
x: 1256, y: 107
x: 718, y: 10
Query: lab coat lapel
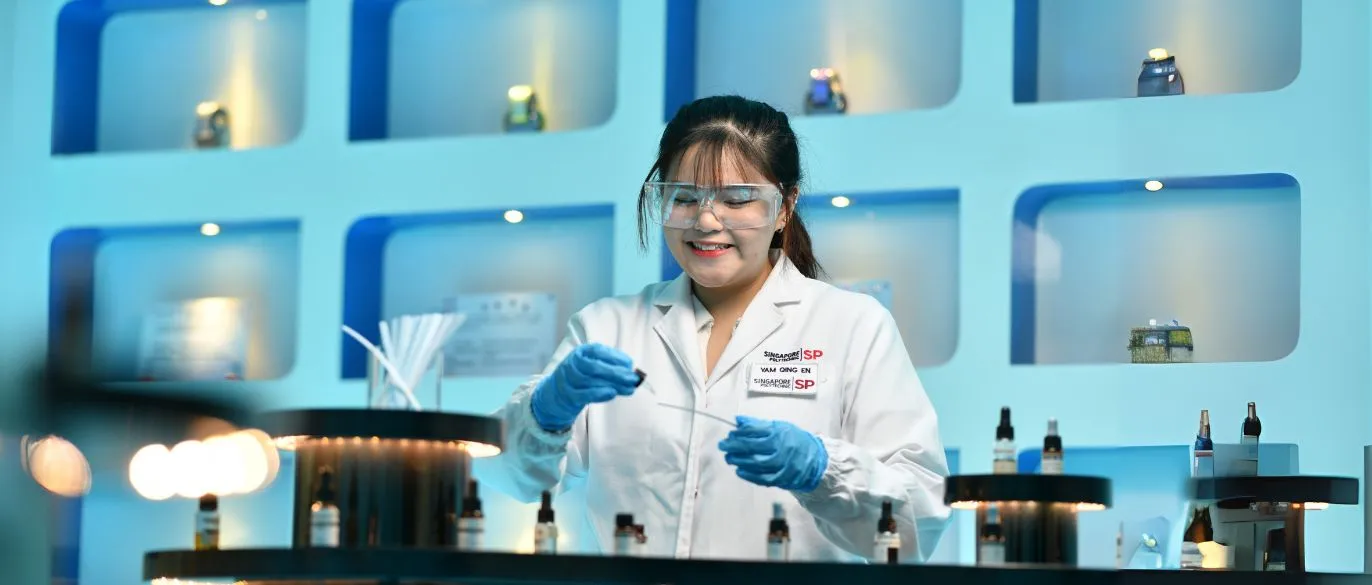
x: 762, y: 318
x: 677, y: 328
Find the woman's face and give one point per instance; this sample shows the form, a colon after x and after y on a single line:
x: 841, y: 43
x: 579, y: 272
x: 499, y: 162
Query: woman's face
x: 711, y: 254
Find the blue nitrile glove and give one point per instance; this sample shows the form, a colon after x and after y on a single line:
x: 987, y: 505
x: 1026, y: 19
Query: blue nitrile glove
x: 590, y: 373
x: 775, y: 454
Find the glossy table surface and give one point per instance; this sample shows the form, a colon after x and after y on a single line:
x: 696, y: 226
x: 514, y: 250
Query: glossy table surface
x: 413, y: 566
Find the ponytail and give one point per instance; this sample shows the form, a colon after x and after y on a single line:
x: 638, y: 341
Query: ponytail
x: 794, y: 241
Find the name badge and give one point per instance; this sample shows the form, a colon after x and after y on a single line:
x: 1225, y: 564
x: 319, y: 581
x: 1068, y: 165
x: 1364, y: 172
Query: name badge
x: 791, y: 379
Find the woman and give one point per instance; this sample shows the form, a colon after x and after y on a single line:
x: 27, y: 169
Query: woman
x: 832, y: 419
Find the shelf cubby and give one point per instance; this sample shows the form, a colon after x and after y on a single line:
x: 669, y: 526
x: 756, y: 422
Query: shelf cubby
x: 902, y: 248
x: 1067, y: 50
x: 1220, y: 255
x: 131, y: 74
x: 420, y: 263
x: 891, y: 55
x: 168, y: 302
x: 432, y: 68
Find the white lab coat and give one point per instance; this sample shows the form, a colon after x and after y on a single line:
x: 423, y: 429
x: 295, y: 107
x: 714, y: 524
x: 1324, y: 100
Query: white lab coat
x: 664, y: 466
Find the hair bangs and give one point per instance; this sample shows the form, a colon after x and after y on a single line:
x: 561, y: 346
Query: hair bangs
x: 711, y: 150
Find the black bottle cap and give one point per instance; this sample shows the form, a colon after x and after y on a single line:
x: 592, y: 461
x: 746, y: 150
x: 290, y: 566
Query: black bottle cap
x: 209, y: 503
x: 545, y: 512
x: 1004, y: 430
x: 471, y: 503
x: 325, y: 492
x: 624, y: 521
x: 1052, y: 442
x: 887, y: 523
x: 641, y: 377
x: 1252, y: 426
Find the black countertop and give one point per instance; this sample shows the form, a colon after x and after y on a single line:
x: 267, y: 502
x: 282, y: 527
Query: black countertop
x: 411, y: 566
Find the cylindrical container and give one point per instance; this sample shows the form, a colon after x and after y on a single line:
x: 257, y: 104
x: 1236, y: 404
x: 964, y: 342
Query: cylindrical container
x: 383, y: 392
x: 1036, y: 532
x: 1160, y: 77
x: 389, y: 492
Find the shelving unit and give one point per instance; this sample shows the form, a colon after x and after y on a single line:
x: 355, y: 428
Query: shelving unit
x: 427, y: 68
x: 117, y: 289
x: 398, y: 265
x: 1092, y: 260
x: 1068, y: 50
x: 130, y: 74
x: 891, y: 55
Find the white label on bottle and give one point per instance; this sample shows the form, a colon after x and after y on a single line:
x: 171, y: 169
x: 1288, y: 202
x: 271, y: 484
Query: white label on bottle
x: 885, y: 542
x: 778, y: 550
x: 324, y: 527
x: 991, y: 553
x: 624, y: 544
x: 545, y: 539
x: 1190, y: 556
x: 207, y: 530
x: 1052, y: 466
x: 1003, y: 466
x: 469, y: 534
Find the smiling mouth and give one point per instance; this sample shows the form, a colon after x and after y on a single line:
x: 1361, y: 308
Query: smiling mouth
x: 709, y: 247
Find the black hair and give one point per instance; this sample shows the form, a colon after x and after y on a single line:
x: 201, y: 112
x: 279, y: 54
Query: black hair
x: 760, y: 136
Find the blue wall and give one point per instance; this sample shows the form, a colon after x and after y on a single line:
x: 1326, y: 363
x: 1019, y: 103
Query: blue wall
x: 981, y: 142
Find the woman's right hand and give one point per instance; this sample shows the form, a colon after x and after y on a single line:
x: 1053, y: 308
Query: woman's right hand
x: 590, y: 373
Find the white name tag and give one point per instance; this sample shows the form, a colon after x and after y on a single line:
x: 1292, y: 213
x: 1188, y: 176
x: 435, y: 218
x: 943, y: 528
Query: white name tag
x: 795, y: 379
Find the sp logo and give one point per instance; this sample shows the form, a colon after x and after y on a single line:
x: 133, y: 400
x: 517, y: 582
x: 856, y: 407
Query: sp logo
x: 811, y: 354
x: 804, y: 384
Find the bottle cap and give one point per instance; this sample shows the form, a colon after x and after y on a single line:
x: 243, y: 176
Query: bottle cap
x: 624, y: 521
x: 209, y: 503
x: 545, y: 512
x: 886, y: 523
x: 641, y: 377
x: 325, y: 492
x: 1005, y: 430
x: 778, y: 523
x: 472, y: 502
x: 1052, y: 443
x: 1252, y: 426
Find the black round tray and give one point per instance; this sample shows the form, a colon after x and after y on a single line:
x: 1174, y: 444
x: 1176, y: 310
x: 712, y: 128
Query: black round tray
x: 1277, y: 488
x: 414, y: 425
x: 1007, y: 487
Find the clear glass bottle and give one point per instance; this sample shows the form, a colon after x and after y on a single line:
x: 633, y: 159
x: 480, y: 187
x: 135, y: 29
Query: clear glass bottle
x: 778, y: 535
x: 545, y: 531
x: 324, y: 516
x: 1051, y: 462
x: 1004, y: 461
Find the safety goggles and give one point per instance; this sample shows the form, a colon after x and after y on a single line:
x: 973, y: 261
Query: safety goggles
x: 737, y: 207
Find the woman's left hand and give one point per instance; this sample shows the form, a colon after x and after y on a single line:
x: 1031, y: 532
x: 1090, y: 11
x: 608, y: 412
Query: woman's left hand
x: 775, y: 454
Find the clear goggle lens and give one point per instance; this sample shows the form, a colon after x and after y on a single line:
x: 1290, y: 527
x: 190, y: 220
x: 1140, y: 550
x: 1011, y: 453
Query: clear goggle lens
x: 737, y: 206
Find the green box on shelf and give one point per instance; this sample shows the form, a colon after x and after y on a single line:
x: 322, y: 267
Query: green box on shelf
x: 1160, y: 344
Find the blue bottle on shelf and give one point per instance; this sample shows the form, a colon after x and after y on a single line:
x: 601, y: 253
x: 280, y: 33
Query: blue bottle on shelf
x: 1160, y: 75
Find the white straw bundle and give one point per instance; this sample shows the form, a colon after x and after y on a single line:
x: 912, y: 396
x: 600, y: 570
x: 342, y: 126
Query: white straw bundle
x: 408, y: 346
